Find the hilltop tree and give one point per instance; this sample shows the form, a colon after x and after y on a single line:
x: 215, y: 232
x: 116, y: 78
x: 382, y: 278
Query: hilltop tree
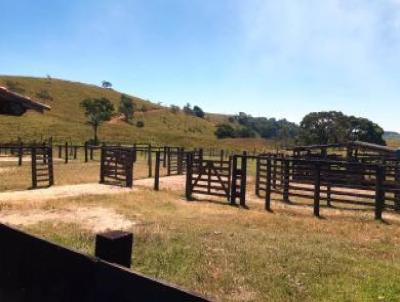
x: 106, y: 84
x: 188, y: 109
x: 127, y: 107
x: 197, y: 111
x: 97, y: 112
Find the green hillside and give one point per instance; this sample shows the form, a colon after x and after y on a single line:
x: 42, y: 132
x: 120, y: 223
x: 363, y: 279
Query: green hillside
x: 66, y: 120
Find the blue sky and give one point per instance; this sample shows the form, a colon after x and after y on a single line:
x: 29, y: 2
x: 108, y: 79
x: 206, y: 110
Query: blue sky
x: 265, y: 57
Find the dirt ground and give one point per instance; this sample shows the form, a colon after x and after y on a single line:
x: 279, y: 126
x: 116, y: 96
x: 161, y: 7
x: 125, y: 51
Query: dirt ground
x: 95, y: 219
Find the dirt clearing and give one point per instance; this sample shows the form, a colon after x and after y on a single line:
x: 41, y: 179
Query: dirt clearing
x: 62, y: 192
x: 95, y: 219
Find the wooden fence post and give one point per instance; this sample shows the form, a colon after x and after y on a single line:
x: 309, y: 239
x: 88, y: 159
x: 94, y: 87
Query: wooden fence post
x: 165, y: 156
x: 317, y: 188
x: 59, y: 151
x: 285, y: 177
x: 115, y: 247
x: 129, y: 169
x: 157, y: 172
x: 169, y: 162
x: 397, y: 181
x: 258, y: 177
x: 102, y: 159
x: 33, y: 163
x: 150, y: 162
x: 91, y: 152
x: 189, y: 171
x: 268, y: 187
x: 20, y: 153
x: 243, y: 180
x: 379, y: 192
x: 50, y: 165
x: 66, y: 152
x: 75, y: 152
x: 234, y: 179
x: 86, y: 152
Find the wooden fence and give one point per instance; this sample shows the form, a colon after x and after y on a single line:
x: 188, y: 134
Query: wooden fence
x: 33, y: 269
x: 335, y: 182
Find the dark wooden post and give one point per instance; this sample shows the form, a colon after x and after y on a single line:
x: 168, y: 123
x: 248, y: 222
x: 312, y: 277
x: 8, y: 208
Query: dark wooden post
x: 129, y: 168
x: 20, y: 153
x: 328, y: 195
x: 397, y: 184
x: 165, y: 156
x: 66, y: 152
x: 285, y: 176
x: 91, y: 152
x: 86, y: 152
x: 115, y: 247
x: 75, y: 152
x: 268, y: 187
x: 234, y: 180
x: 169, y: 162
x: 189, y: 176
x: 59, y: 151
x: 258, y: 176
x: 317, y: 188
x: 150, y: 162
x: 221, y: 156
x: 157, y: 172
x: 243, y: 180
x: 275, y: 163
x: 33, y: 163
x: 102, y: 160
x: 379, y: 192
x: 50, y: 165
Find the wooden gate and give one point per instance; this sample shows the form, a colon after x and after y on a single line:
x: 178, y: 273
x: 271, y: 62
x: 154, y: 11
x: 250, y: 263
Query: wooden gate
x: 208, y: 177
x: 176, y: 161
x: 117, y: 165
x: 42, y: 166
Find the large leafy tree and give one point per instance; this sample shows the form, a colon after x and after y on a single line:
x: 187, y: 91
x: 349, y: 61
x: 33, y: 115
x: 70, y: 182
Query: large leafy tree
x: 334, y: 127
x: 97, y: 111
x: 127, y: 107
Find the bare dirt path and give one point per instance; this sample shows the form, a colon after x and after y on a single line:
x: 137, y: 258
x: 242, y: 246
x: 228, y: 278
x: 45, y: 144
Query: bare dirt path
x: 62, y: 192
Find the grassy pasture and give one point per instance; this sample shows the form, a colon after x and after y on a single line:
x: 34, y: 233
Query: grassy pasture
x: 233, y: 254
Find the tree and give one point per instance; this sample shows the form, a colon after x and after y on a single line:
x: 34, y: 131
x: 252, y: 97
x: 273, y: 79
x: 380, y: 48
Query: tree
x: 224, y: 131
x: 106, y: 84
x: 197, y: 111
x: 97, y: 112
x: 127, y: 107
x: 188, y: 109
x: 334, y: 127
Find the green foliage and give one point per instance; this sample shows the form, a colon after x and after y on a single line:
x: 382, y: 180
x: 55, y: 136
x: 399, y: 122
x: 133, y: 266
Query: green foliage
x: 197, y: 111
x: 97, y: 111
x: 140, y: 124
x: 106, y: 84
x: 334, y: 127
x: 268, y: 128
x: 174, y: 109
x: 44, y: 95
x: 127, y: 107
x: 227, y: 131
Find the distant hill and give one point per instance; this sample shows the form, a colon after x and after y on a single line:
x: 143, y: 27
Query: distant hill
x: 391, y: 135
x: 66, y: 121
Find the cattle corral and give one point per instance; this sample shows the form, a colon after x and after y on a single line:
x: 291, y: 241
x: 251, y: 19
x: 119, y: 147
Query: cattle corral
x: 279, y: 182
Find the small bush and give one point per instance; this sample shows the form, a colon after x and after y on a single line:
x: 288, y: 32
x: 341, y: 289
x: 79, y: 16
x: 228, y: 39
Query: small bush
x: 175, y: 109
x: 140, y: 124
x: 44, y: 95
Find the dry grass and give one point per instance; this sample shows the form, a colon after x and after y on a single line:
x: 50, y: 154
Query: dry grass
x: 234, y: 254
